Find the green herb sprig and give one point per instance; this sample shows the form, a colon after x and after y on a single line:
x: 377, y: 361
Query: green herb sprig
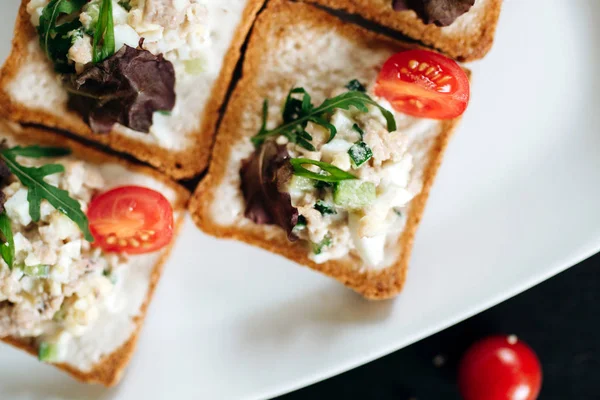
x: 331, y: 173
x: 298, y: 112
x: 56, y: 22
x: 324, y: 208
x: 325, y: 243
x: 39, y: 189
x: 7, y: 248
x: 104, y: 37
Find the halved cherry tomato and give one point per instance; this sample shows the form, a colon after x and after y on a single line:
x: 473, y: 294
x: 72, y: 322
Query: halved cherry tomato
x: 500, y: 368
x: 131, y: 219
x: 424, y: 84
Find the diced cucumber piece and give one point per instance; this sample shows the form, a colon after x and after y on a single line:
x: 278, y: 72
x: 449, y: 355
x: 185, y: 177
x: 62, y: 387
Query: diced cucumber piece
x: 354, y: 194
x: 195, y: 66
x: 48, y: 352
x: 319, y: 247
x: 324, y: 208
x: 360, y: 153
x: 301, y: 183
x: 39, y: 271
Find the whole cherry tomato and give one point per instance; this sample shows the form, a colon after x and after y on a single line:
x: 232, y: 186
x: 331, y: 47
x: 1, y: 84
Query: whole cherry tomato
x: 500, y: 368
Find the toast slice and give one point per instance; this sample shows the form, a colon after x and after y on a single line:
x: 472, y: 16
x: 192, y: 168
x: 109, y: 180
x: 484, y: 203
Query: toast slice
x: 282, y: 53
x: 146, y: 271
x: 30, y: 92
x: 468, y: 38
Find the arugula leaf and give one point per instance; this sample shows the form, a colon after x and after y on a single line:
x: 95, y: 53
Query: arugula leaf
x: 38, y: 188
x: 39, y: 152
x: 292, y: 110
x: 104, y: 37
x: 334, y: 174
x: 7, y: 248
x: 295, y: 108
x: 359, y: 101
x: 56, y: 21
x: 297, y: 113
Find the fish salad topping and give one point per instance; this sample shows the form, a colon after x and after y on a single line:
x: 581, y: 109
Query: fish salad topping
x: 340, y: 175
x: 55, y: 282
x: 347, y: 177
x: 106, y: 50
x: 65, y: 244
x: 174, y: 28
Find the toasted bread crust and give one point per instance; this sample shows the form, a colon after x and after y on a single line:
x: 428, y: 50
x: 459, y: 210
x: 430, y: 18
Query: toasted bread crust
x: 178, y: 164
x: 463, y: 47
x: 273, y: 24
x: 110, y: 369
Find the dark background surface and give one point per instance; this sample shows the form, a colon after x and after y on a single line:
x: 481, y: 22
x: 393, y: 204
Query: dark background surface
x: 558, y: 318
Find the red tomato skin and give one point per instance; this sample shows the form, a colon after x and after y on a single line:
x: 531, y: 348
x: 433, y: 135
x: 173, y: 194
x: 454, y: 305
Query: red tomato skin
x: 155, y: 227
x: 500, y: 368
x: 441, y: 90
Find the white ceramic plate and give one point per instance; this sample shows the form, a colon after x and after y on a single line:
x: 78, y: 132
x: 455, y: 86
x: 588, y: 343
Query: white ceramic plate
x: 517, y: 201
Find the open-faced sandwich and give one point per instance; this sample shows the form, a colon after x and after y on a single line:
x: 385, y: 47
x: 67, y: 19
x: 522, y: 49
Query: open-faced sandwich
x: 82, y: 240
x: 334, y: 173
x: 463, y: 29
x: 145, y: 77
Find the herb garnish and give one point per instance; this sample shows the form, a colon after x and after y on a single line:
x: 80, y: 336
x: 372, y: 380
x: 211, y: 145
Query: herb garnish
x: 125, y: 4
x: 38, y: 188
x: 354, y: 84
x: 333, y: 174
x: 324, y: 208
x: 104, y: 37
x: 56, y: 22
x: 319, y: 247
x: 7, y: 248
x: 298, y: 112
x: 360, y: 153
x: 301, y: 222
x: 359, y: 130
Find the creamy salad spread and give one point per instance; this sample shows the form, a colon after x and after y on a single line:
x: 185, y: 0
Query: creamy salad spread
x: 174, y: 28
x: 58, y: 282
x: 91, y: 47
x: 349, y: 189
x: 355, y: 214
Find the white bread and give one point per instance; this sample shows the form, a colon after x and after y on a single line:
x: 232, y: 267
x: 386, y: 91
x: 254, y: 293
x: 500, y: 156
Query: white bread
x: 468, y: 38
x: 103, y: 352
x: 296, y: 44
x: 30, y: 92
